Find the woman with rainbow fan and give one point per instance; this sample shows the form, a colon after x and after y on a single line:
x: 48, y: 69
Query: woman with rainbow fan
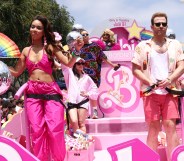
x: 8, y: 49
x: 44, y: 107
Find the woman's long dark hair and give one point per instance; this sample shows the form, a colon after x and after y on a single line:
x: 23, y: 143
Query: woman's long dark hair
x: 75, y: 72
x: 48, y: 34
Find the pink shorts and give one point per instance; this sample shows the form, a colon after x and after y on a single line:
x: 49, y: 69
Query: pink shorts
x: 160, y: 107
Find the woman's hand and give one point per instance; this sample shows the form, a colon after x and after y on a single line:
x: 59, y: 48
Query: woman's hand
x: 84, y: 94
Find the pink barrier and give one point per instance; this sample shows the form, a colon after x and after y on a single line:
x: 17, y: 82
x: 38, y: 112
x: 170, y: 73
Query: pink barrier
x: 133, y: 150
x: 12, y: 151
x: 20, y: 91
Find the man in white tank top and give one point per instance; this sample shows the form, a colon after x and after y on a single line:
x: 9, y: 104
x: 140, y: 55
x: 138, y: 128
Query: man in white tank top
x: 159, y: 61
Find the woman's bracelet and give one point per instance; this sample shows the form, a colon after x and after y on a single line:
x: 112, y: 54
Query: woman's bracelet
x: 75, y: 53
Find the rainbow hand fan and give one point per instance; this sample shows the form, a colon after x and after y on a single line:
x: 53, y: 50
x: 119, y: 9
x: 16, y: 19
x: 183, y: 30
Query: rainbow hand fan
x: 8, y: 48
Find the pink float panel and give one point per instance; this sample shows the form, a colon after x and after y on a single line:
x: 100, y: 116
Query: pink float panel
x: 119, y: 90
x: 132, y: 150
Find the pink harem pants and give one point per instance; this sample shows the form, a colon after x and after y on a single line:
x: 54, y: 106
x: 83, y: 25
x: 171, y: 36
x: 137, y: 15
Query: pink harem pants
x: 46, y: 121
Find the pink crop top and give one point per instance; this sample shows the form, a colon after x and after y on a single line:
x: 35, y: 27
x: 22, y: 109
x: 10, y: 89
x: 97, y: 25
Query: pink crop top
x: 44, y: 64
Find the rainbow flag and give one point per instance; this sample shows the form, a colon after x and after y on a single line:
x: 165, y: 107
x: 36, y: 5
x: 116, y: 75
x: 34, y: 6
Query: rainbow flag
x: 146, y: 34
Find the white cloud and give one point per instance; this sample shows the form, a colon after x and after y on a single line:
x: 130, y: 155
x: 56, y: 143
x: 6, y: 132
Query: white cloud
x: 90, y: 13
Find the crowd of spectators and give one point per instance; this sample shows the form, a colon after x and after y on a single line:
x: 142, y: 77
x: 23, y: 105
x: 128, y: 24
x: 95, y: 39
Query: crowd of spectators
x: 9, y: 107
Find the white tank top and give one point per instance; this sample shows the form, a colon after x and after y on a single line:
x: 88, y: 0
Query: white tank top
x: 159, y: 68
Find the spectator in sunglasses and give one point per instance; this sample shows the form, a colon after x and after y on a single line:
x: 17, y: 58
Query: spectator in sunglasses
x: 108, y: 41
x: 81, y: 89
x: 93, y: 55
x: 159, y: 61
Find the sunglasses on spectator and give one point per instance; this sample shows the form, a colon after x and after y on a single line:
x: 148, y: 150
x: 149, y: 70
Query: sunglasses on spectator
x: 85, y: 35
x: 106, y: 35
x: 80, y: 63
x: 158, y: 24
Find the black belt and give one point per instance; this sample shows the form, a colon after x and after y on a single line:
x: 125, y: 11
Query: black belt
x: 74, y: 105
x: 169, y: 90
x: 175, y: 92
x: 149, y: 89
x: 55, y: 97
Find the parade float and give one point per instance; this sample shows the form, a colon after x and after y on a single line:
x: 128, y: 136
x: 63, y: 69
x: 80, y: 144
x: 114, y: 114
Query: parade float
x: 121, y: 130
x: 123, y: 127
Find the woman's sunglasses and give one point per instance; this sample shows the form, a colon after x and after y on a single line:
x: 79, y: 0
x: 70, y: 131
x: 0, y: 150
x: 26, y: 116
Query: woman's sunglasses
x: 106, y: 35
x: 158, y: 24
x: 84, y: 35
x: 80, y: 63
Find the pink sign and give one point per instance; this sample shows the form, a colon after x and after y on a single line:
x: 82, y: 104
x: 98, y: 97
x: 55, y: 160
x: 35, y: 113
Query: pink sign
x: 11, y: 150
x: 119, y: 90
x: 133, y: 150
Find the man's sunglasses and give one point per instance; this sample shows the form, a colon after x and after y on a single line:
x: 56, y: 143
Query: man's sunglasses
x: 85, y: 35
x: 80, y: 63
x: 158, y: 24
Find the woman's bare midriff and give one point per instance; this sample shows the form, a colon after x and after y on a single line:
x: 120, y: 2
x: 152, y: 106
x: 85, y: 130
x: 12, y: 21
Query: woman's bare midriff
x: 39, y: 75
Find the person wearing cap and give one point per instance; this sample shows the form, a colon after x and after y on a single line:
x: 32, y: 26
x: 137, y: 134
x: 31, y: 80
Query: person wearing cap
x: 81, y: 88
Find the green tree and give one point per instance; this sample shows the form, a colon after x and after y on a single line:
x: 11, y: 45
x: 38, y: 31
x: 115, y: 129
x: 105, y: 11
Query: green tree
x: 16, y: 15
x: 15, y: 19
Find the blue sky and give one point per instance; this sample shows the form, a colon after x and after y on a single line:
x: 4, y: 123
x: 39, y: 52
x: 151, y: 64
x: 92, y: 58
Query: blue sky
x: 91, y: 13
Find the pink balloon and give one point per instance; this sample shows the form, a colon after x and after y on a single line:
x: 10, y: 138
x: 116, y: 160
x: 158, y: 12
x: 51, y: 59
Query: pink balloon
x: 5, y: 78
